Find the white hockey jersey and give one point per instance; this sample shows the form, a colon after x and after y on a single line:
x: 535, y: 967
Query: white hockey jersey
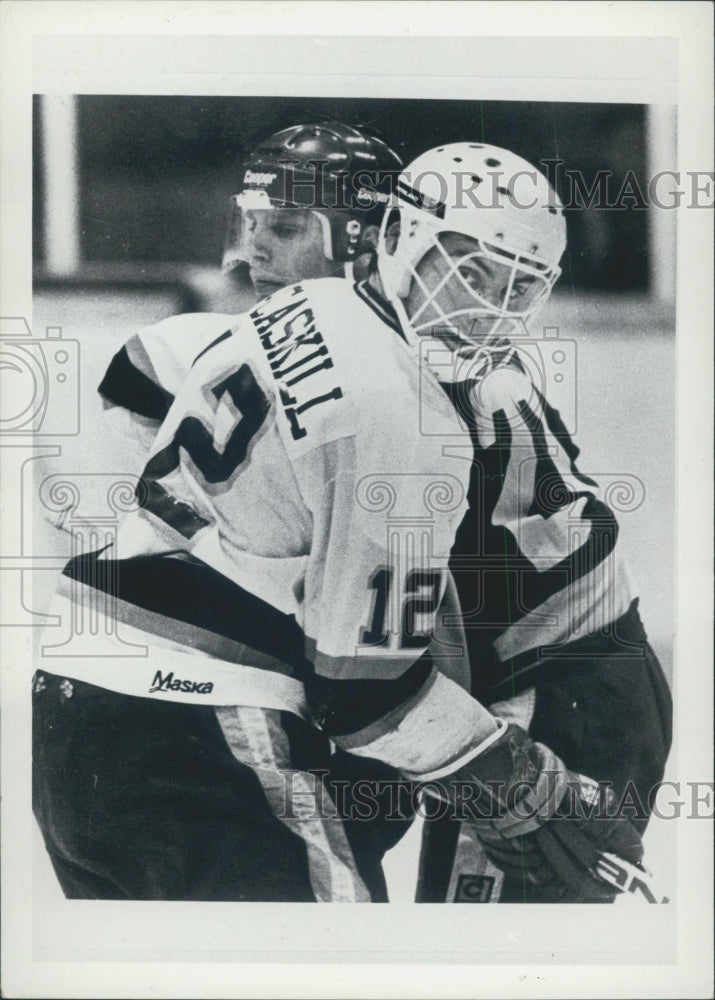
x: 296, y: 528
x: 536, y: 559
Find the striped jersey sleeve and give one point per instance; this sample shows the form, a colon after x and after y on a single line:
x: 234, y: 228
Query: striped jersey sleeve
x: 145, y: 375
x: 536, y: 559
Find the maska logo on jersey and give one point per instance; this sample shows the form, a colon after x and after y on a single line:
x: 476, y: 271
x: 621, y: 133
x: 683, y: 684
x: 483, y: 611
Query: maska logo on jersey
x: 296, y: 353
x: 171, y: 683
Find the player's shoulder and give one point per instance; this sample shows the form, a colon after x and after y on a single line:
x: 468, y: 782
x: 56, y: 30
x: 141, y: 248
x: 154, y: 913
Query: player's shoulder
x: 351, y: 303
x: 357, y: 321
x: 186, y: 325
x: 332, y: 374
x: 335, y: 288
x: 169, y: 348
x: 302, y: 298
x: 323, y: 318
x: 335, y: 297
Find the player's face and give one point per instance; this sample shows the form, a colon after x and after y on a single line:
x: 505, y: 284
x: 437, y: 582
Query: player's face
x: 457, y: 285
x: 285, y: 245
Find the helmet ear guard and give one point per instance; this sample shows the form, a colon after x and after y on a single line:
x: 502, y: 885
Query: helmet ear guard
x: 350, y: 237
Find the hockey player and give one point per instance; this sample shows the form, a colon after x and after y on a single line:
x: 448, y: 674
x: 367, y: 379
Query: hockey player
x: 310, y: 206
x: 279, y: 596
x: 551, y: 618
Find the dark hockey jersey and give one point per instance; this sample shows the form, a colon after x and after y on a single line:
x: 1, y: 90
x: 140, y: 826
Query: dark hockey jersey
x: 536, y: 560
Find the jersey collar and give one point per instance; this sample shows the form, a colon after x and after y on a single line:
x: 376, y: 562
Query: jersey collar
x: 378, y: 305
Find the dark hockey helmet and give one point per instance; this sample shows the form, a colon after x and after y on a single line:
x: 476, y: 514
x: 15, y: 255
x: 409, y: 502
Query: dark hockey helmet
x: 343, y: 174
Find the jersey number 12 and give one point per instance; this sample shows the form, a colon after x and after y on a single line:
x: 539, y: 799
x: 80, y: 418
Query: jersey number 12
x: 421, y: 597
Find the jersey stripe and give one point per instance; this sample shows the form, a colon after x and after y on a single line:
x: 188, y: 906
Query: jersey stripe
x: 208, y: 347
x: 134, y: 386
x: 535, y: 558
x: 161, y: 593
x: 620, y: 636
x: 379, y: 306
x: 430, y: 732
x: 257, y: 739
x: 125, y: 659
x: 163, y: 600
x: 347, y: 706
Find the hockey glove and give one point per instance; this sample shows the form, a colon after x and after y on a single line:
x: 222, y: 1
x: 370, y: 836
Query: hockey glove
x: 538, y: 820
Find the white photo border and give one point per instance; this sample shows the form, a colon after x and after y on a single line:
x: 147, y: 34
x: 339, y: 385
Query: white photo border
x: 590, y: 51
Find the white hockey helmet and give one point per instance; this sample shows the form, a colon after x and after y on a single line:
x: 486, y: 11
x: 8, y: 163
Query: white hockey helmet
x: 501, y: 203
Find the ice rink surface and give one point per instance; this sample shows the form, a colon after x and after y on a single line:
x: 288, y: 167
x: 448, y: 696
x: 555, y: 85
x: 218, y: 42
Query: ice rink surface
x: 618, y: 353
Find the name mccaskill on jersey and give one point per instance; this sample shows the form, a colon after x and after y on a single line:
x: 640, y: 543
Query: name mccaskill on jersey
x: 293, y: 354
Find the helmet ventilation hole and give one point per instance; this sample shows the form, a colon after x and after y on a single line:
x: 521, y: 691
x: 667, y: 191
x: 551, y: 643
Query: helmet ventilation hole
x: 552, y: 210
x: 491, y: 162
x: 457, y: 159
